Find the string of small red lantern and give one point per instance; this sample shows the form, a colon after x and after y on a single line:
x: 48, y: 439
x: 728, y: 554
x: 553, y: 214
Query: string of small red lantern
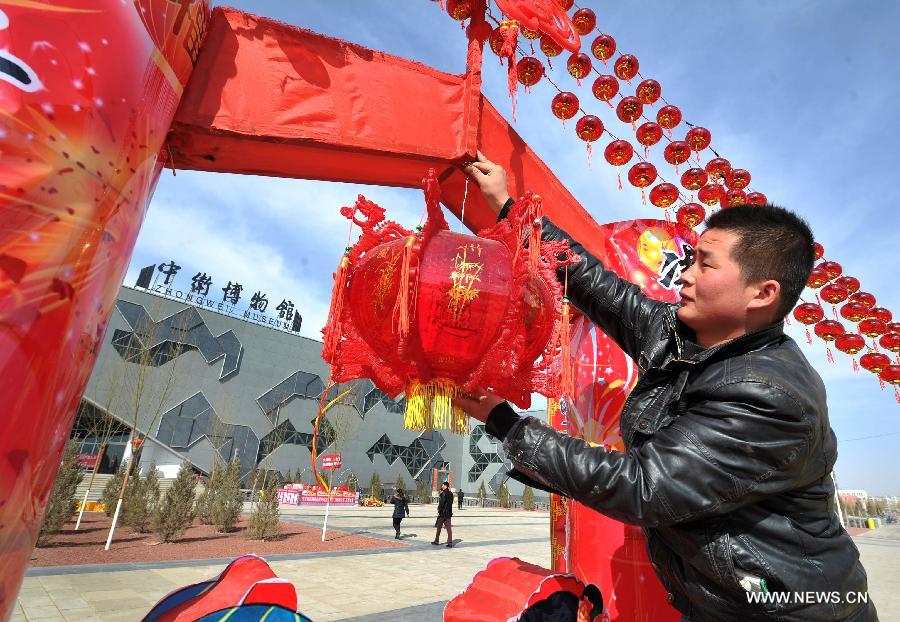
x: 876, y: 321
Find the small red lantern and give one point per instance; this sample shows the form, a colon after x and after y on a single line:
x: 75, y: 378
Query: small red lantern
x: 756, y: 198
x: 711, y: 194
x: 855, y: 311
x: 136, y: 443
x: 694, y: 178
x: 737, y: 179
x: 809, y: 313
x: 649, y: 91
x: 550, y: 47
x: 733, y: 197
x: 850, y: 282
x: 626, y: 67
x: 565, y: 5
x: 529, y: 71
x: 834, y: 293
x: 565, y: 105
x: 880, y: 313
x: 605, y: 88
x: 589, y: 128
x: 891, y: 375
x: 890, y: 341
x: 874, y: 361
x: 698, y: 138
x: 691, y: 214
x: 460, y: 10
x: 669, y: 116
x: 579, y: 65
x: 530, y: 34
x: 642, y: 175
x: 677, y: 152
x: 629, y: 109
x: 893, y: 328
x: 850, y: 343
x: 618, y: 153
x: 663, y: 195
x: 833, y: 269
x: 819, y: 250
x: 864, y: 298
x: 718, y: 168
x: 829, y: 330
x: 817, y: 278
x: 584, y: 21
x: 603, y: 48
x: 648, y: 134
x: 871, y: 327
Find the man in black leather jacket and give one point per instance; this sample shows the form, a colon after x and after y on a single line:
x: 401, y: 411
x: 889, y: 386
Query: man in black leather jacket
x: 729, y: 451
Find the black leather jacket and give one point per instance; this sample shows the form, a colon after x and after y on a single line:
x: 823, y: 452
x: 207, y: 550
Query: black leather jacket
x: 727, y: 465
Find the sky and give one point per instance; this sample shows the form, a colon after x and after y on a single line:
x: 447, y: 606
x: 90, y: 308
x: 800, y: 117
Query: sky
x: 802, y: 93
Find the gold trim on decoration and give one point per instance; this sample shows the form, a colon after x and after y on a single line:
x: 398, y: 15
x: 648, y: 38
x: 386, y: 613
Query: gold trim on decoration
x: 430, y: 406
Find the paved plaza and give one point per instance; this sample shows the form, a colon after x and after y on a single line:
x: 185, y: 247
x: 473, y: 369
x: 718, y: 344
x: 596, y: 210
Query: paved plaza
x: 388, y: 585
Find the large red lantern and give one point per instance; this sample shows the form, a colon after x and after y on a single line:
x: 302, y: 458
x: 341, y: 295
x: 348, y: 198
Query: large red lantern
x: 564, y: 105
x: 626, y: 67
x: 640, y: 176
x: 850, y: 343
x: 584, y: 21
x: 649, y: 91
x: 579, y: 65
x: 589, y: 128
x: 550, y: 47
x: 603, y: 48
x: 833, y: 269
x: 618, y: 153
x: 605, y: 88
x: 437, y: 313
x: 893, y: 328
x: 834, y: 293
x: 663, y: 195
x: 690, y: 214
x: 460, y: 10
x: 828, y: 331
x: 733, y: 197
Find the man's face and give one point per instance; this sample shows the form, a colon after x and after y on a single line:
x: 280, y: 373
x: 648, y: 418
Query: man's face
x: 714, y: 293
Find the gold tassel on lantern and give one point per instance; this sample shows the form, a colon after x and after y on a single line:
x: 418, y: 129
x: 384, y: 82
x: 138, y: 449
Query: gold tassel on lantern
x: 429, y: 406
x: 567, y: 377
x: 402, y: 309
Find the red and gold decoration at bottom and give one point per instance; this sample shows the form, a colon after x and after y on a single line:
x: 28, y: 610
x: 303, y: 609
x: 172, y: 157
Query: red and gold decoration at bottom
x: 436, y: 314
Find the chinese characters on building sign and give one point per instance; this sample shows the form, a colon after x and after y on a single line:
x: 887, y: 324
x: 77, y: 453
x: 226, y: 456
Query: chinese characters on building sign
x: 161, y: 279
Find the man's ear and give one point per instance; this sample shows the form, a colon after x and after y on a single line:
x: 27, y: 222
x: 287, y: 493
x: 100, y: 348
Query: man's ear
x: 767, y: 296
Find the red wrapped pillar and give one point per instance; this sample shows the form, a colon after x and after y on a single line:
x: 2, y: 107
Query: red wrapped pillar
x: 87, y: 93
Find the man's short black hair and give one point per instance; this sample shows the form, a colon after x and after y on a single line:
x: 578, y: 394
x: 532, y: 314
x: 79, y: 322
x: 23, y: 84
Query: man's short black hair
x: 773, y: 243
x: 447, y: 484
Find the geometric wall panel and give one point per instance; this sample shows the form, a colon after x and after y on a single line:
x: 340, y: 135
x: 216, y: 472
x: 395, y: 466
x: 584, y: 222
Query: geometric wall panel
x: 423, y: 453
x: 482, y: 459
x: 286, y: 434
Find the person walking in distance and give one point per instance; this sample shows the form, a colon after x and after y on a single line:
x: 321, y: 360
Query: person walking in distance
x: 445, y: 513
x: 401, y: 509
x: 459, y: 498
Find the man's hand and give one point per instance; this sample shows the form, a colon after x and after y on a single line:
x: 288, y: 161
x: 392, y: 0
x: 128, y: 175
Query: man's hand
x: 479, y: 404
x: 490, y: 179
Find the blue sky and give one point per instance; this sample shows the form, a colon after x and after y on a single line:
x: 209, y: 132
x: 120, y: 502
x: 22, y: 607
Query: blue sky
x: 802, y: 93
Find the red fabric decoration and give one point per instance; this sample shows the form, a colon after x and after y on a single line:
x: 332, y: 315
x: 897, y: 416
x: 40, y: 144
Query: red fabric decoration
x: 548, y: 17
x: 603, y: 48
x: 437, y: 313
